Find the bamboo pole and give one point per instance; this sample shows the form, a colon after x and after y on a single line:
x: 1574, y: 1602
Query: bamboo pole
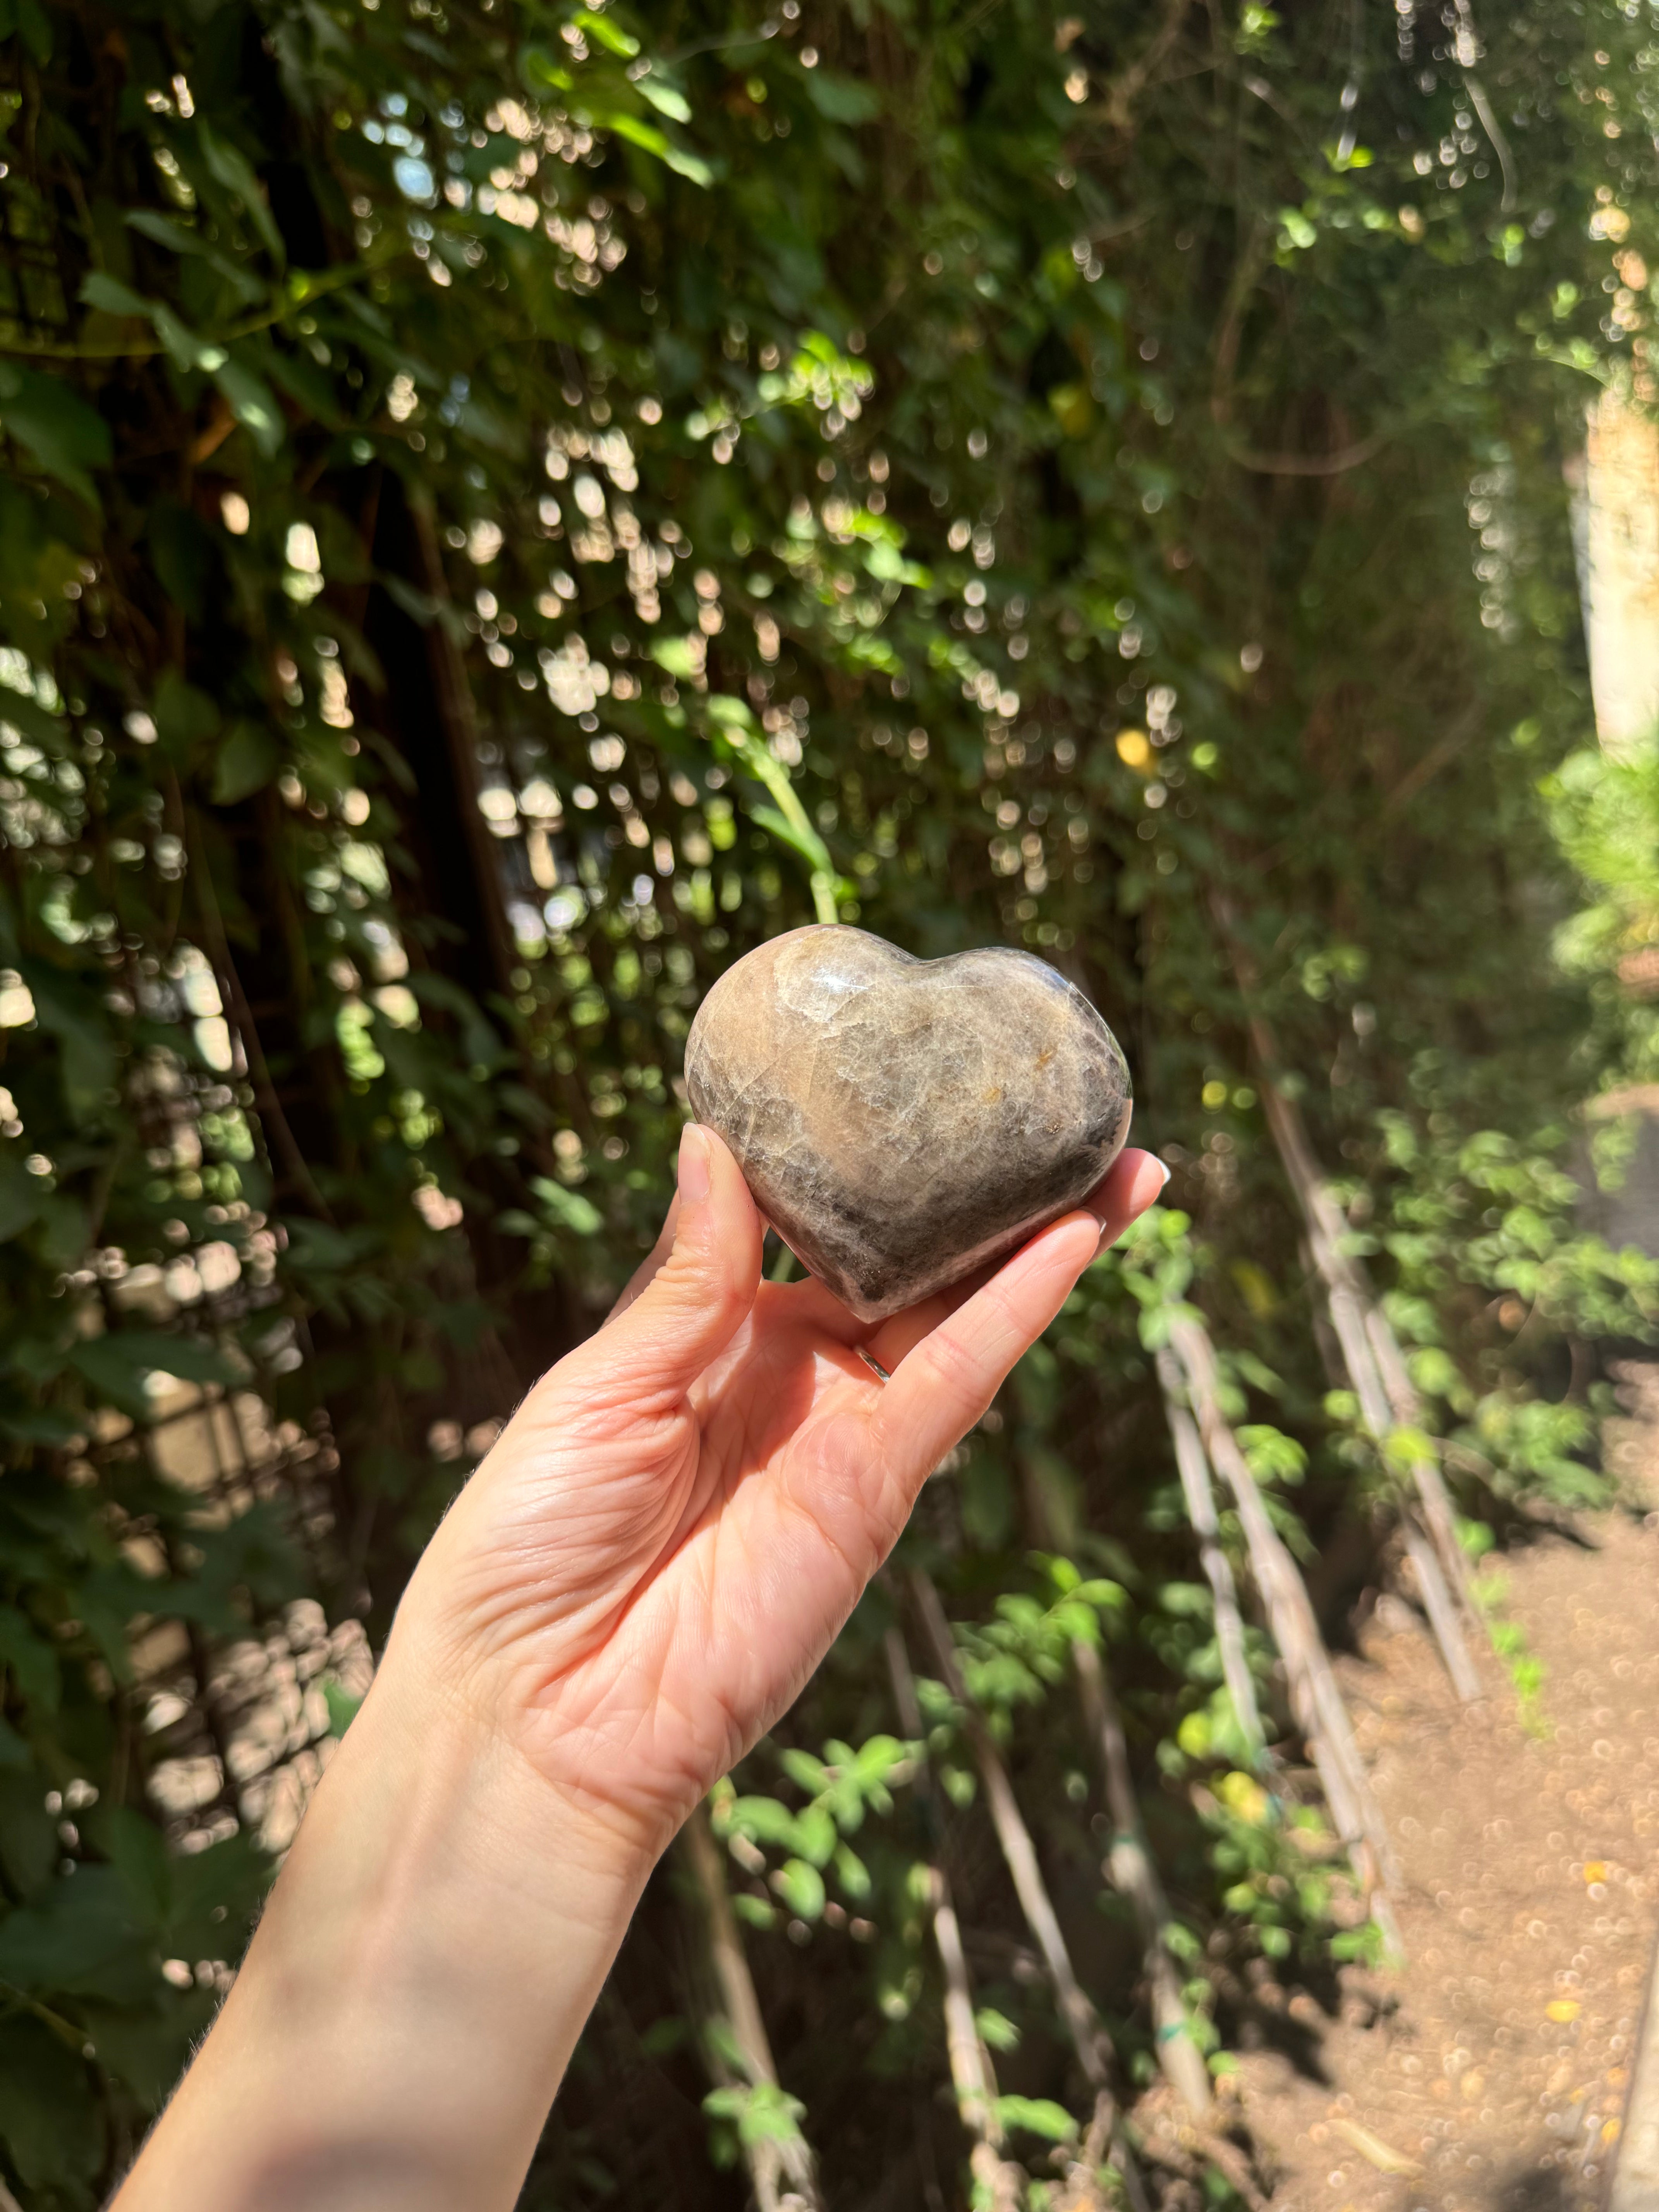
x: 1371, y: 1350
x: 1083, y: 2023
x: 1131, y: 1868
x: 1217, y: 1567
x: 1376, y: 1369
x: 784, y: 2174
x: 1315, y: 1699
x: 1002, y: 2183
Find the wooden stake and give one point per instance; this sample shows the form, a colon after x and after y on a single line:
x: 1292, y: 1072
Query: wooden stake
x: 1131, y: 1870
x: 1217, y: 1567
x: 1001, y: 2182
x: 1083, y: 2022
x: 784, y: 2174
x: 1129, y: 1866
x: 1315, y: 1699
x: 1370, y: 1351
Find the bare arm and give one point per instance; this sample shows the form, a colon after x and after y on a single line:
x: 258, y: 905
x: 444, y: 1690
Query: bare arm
x: 635, y: 1584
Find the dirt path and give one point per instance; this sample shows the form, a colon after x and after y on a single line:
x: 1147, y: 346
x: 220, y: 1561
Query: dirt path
x: 1493, y: 2067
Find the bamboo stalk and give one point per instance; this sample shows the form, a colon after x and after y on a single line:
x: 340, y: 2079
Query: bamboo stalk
x: 1217, y: 1567
x: 784, y: 2174
x: 1130, y: 1866
x: 1000, y: 2181
x: 1316, y: 1700
x: 1371, y: 1350
x: 1363, y: 1331
x: 1083, y: 2023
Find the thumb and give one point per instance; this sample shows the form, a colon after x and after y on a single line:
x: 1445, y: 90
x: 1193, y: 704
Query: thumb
x: 690, y: 1309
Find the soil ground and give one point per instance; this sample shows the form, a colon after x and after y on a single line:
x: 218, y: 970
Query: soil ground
x: 1490, y: 2072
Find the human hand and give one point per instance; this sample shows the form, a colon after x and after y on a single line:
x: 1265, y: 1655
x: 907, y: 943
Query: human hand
x: 675, y: 1524
x: 636, y: 1583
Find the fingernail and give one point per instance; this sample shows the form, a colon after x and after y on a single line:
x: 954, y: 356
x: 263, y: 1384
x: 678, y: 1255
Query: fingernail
x: 1164, y: 1170
x: 693, y: 1163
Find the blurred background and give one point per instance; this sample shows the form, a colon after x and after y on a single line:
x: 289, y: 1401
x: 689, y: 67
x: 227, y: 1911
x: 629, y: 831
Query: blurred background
x: 509, y: 505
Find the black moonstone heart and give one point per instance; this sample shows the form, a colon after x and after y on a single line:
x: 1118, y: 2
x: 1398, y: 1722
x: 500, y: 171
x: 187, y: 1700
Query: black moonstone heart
x: 902, y: 1121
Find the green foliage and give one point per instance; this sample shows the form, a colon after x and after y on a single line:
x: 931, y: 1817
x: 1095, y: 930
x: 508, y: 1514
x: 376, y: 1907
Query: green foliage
x: 507, y: 510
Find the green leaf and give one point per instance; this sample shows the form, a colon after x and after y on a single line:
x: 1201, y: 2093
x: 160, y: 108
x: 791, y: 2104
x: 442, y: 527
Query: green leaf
x: 56, y: 427
x: 605, y: 32
x: 342, y: 1707
x: 53, y: 2130
x: 841, y: 99
x: 568, y: 1209
x: 806, y: 1772
x: 250, y: 401
x: 69, y: 1011
x: 27, y: 20
x: 231, y: 168
x: 102, y: 290
x: 815, y: 1835
x: 1038, y: 2116
x: 247, y: 760
x: 801, y: 1888
x: 116, y: 1364
x: 663, y: 97
x: 33, y: 1662
x: 185, y: 716
x: 852, y: 1875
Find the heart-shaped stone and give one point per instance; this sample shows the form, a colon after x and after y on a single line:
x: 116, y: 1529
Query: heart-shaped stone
x: 902, y: 1121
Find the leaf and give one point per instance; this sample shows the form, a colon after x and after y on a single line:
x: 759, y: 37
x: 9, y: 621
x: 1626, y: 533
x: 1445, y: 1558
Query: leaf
x: 567, y: 1208
x: 815, y: 1835
x: 605, y: 32
x: 229, y: 166
x: 841, y: 99
x: 56, y: 427
x: 806, y: 1772
x: 249, y: 758
x: 102, y: 290
x: 762, y: 1819
x: 22, y: 1196
x: 53, y: 2130
x: 116, y: 1364
x: 801, y: 1888
x: 852, y: 1875
x: 663, y: 97
x: 250, y: 401
x: 1038, y: 2116
x: 81, y: 1937
x: 342, y: 1707
x: 33, y: 1662
x: 996, y: 2031
x: 68, y: 1010
x: 185, y: 716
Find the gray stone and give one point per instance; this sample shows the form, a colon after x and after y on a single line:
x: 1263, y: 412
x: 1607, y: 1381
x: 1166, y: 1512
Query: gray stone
x: 900, y: 1122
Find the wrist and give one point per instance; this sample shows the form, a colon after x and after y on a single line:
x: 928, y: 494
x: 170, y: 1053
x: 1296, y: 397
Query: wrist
x: 438, y: 1935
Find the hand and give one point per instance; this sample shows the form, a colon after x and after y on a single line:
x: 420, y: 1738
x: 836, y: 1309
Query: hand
x: 636, y: 1583
x: 676, y: 1522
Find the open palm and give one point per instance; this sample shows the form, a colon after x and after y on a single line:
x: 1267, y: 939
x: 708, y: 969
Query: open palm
x: 675, y: 1524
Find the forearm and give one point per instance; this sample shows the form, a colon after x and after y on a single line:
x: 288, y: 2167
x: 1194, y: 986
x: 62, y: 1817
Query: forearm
x: 404, y: 2013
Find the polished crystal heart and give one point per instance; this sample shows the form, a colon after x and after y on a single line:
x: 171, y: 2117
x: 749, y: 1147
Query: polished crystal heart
x: 902, y: 1121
